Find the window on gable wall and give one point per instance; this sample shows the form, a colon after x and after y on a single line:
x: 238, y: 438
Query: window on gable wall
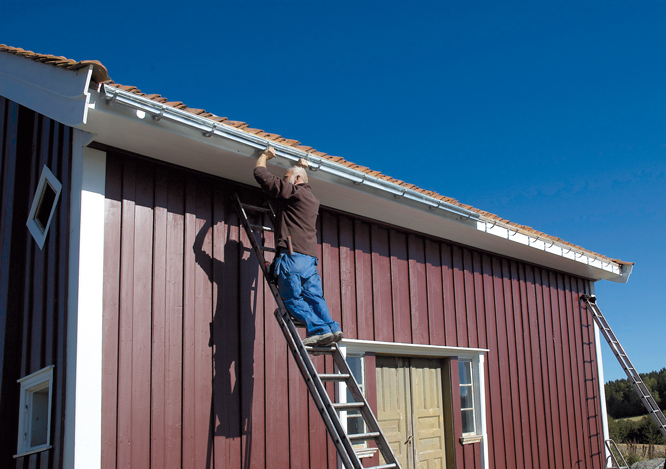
x: 35, y: 412
x: 43, y: 206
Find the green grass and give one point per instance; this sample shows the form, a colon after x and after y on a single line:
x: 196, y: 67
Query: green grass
x: 632, y: 419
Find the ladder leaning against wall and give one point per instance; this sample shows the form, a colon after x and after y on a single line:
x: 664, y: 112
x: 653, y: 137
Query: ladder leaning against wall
x: 314, y: 380
x: 634, y: 378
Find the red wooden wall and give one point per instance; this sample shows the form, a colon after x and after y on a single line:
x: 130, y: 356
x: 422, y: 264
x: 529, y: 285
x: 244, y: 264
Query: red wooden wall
x: 33, y: 282
x: 196, y: 373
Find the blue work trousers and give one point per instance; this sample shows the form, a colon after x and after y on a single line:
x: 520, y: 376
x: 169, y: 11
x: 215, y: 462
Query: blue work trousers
x: 300, y: 288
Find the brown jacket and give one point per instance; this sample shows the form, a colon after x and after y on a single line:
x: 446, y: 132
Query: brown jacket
x: 297, y: 210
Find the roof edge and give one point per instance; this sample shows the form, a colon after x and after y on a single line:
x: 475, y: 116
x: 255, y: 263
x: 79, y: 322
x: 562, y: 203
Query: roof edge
x: 473, y: 227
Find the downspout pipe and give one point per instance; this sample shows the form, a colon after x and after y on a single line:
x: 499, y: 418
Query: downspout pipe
x: 209, y: 127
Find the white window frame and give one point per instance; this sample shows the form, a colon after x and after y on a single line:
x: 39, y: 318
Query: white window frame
x: 362, y: 449
x: 46, y: 180
x: 473, y: 436
x: 30, y: 385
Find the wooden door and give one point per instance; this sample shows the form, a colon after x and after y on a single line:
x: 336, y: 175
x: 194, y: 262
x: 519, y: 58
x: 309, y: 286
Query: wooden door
x: 410, y: 410
x: 394, y: 406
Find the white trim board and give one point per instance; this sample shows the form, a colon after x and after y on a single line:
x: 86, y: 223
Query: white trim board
x: 410, y: 350
x: 83, y: 427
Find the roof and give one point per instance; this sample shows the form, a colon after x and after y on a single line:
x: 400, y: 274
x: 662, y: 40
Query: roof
x: 100, y: 76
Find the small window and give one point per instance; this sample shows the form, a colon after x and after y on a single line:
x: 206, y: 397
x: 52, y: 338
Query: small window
x: 35, y: 412
x: 467, y: 397
x: 43, y: 206
x: 352, y: 420
x: 355, y: 422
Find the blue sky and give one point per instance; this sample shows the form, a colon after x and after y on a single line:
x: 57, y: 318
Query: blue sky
x: 550, y: 115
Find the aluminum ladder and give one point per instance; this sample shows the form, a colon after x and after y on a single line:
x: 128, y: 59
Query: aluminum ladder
x: 612, y: 458
x: 314, y: 380
x: 635, y: 379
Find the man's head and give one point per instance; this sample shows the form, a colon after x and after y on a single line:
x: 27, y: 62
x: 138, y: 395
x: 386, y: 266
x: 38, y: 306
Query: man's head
x: 296, y: 175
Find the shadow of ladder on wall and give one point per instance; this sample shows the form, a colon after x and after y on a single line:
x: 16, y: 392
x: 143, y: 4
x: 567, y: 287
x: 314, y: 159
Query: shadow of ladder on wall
x: 634, y: 378
x: 313, y: 379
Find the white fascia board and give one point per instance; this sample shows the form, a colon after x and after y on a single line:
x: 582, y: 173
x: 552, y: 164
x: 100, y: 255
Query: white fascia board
x: 55, y: 92
x: 411, y: 350
x: 135, y: 123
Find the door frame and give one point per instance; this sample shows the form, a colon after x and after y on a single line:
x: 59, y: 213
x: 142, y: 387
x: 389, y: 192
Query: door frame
x: 477, y: 357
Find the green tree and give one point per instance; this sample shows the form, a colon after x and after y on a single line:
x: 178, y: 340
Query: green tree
x: 622, y: 400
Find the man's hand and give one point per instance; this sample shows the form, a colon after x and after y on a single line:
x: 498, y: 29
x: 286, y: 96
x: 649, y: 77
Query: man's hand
x: 303, y: 163
x: 267, y: 154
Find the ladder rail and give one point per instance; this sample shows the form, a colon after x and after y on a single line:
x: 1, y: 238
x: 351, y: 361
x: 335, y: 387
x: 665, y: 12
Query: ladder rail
x: 304, y: 365
x: 313, y: 380
x: 634, y: 377
x: 317, y: 390
x: 610, y: 445
x: 358, y: 396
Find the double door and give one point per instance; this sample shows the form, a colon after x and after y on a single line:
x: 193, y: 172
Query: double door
x: 410, y: 410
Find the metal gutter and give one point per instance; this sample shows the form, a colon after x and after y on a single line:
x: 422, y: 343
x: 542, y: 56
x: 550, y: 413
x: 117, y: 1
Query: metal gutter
x: 209, y: 127
x: 511, y: 233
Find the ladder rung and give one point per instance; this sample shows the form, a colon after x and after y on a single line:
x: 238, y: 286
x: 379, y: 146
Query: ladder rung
x: 348, y: 405
x: 385, y: 466
x: 266, y: 248
x: 261, y: 228
x: 364, y: 436
x: 256, y: 209
x: 320, y: 350
x: 333, y: 377
x: 297, y: 323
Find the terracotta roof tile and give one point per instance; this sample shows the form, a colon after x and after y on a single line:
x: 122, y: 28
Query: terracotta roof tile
x: 237, y: 124
x: 100, y: 75
x: 177, y: 104
x: 156, y: 97
x: 197, y: 112
x: 289, y: 142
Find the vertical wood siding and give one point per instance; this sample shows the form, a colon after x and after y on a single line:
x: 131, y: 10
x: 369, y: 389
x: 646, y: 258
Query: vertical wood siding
x: 197, y: 373
x: 33, y: 282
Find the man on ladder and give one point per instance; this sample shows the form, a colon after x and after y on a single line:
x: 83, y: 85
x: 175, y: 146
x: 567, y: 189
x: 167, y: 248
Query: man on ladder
x: 296, y: 250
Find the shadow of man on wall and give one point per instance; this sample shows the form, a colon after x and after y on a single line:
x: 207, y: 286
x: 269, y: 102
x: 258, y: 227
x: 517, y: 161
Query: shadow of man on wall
x: 233, y: 274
